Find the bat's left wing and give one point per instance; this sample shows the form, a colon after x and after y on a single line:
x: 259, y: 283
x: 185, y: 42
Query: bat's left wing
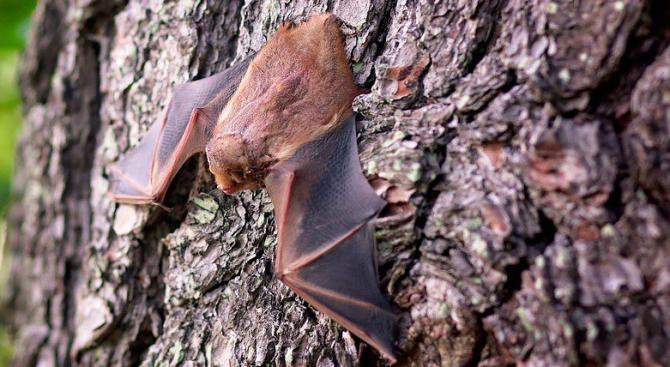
x: 143, y: 175
x: 323, y: 208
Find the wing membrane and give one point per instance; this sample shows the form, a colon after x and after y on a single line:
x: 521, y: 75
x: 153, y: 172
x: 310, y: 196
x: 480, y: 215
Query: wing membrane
x: 143, y: 175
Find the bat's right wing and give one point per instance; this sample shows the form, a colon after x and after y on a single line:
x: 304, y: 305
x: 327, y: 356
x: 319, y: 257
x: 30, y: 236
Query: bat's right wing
x: 325, y: 252
x: 143, y: 175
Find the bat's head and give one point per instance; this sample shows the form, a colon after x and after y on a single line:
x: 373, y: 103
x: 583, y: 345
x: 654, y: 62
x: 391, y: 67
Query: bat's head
x: 228, y: 162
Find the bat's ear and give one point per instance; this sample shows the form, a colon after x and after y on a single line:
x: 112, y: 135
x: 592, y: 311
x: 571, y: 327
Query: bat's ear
x: 326, y: 18
x: 287, y: 26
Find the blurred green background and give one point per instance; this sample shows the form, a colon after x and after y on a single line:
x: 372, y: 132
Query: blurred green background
x: 14, y: 22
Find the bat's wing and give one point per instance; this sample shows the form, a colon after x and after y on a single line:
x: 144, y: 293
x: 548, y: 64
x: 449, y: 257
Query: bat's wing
x: 143, y: 175
x: 323, y: 208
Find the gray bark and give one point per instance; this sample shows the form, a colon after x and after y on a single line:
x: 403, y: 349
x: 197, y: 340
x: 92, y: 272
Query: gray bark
x: 533, y: 137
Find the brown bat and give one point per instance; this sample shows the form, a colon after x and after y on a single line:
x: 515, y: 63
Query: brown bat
x: 283, y: 121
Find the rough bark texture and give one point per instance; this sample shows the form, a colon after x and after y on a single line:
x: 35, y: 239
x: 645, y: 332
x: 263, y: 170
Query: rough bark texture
x: 533, y: 135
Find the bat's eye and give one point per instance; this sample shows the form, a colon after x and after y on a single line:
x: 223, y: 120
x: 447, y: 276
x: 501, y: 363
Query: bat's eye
x: 236, y: 176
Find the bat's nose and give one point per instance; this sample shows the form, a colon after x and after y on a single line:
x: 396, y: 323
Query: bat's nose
x: 227, y: 183
x: 229, y: 190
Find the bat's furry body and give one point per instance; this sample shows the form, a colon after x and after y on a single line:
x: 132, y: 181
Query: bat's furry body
x: 297, y: 88
x: 283, y: 121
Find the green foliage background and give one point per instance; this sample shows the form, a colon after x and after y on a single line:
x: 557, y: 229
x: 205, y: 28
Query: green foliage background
x: 14, y: 22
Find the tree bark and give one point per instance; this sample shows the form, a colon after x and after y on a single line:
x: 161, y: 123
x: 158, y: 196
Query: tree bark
x: 532, y: 135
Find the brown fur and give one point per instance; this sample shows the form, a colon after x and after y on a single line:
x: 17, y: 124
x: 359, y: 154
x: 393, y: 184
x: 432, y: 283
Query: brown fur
x: 297, y: 88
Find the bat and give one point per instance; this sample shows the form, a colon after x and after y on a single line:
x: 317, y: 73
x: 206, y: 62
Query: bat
x: 282, y: 120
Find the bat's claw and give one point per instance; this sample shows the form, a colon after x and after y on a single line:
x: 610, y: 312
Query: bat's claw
x: 162, y: 206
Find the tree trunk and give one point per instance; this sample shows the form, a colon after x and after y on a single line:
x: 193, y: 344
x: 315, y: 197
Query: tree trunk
x: 532, y: 135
